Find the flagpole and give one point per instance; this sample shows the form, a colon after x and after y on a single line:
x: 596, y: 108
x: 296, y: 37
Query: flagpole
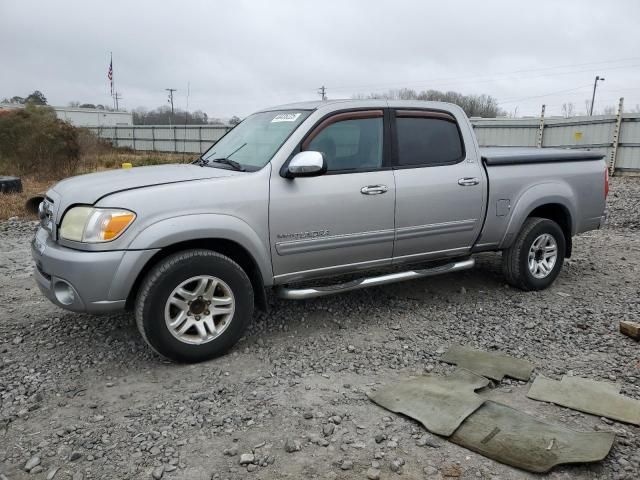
x: 115, y: 105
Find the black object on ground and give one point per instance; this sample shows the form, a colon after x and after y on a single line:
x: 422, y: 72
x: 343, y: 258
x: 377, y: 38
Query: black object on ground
x: 10, y: 185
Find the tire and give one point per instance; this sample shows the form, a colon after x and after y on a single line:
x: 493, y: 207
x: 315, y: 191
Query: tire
x: 516, y: 259
x: 154, y: 312
x: 10, y: 185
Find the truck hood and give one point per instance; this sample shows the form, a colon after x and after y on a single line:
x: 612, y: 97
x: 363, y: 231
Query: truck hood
x: 88, y: 189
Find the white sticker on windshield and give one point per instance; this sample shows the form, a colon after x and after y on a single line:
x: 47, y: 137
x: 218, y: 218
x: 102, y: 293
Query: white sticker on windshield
x: 285, y: 117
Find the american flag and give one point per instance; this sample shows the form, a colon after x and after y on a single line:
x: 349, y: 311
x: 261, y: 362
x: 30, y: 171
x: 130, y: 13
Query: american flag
x: 110, y: 74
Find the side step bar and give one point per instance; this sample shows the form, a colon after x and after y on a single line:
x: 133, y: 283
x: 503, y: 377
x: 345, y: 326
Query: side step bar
x: 312, y: 292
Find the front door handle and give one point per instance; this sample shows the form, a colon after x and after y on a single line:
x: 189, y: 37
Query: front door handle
x: 374, y: 189
x: 468, y: 181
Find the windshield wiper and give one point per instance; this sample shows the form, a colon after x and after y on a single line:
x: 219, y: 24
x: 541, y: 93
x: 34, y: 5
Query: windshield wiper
x: 232, y: 163
x: 201, y: 162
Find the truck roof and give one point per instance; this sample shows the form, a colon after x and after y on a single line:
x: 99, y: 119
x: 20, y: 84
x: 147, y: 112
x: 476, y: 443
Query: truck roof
x: 364, y: 103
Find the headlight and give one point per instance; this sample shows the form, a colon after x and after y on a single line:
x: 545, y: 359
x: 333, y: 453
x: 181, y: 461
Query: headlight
x: 95, y: 225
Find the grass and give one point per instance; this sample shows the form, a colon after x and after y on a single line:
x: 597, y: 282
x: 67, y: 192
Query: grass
x: 13, y: 204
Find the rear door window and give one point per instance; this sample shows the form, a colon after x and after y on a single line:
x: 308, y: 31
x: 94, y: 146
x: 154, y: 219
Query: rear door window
x: 427, y: 139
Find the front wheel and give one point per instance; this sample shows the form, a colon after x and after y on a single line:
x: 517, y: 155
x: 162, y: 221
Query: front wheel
x: 535, y: 259
x: 194, y: 305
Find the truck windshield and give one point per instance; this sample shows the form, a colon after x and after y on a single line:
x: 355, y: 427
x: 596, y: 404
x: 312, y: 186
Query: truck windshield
x: 252, y: 143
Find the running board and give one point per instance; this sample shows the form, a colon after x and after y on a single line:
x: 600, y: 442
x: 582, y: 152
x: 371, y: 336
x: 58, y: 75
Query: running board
x: 312, y: 292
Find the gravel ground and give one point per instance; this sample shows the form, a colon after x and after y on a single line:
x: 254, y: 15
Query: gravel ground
x: 85, y: 396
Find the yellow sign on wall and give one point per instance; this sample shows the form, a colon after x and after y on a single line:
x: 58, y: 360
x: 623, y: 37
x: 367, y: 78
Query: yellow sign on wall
x: 577, y: 135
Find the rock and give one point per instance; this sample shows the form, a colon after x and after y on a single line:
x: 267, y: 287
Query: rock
x: 52, y: 473
x: 307, y: 415
x: 430, y: 471
x: 78, y: 476
x: 346, y: 465
x: 75, y: 456
x: 428, y: 440
x: 328, y: 429
x: 373, y: 474
x: 36, y: 469
x: 32, y: 463
x: 292, y: 445
x: 157, y: 472
x: 381, y: 437
x: 396, y: 464
x: 247, y: 458
x: 251, y: 467
x: 231, y: 452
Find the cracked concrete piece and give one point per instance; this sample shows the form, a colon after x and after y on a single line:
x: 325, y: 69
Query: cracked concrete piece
x: 488, y: 364
x: 598, y: 398
x: 439, y: 403
x: 512, y: 437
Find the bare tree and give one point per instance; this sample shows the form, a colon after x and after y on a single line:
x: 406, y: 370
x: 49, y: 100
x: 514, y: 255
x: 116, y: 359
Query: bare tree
x: 609, y: 110
x: 568, y: 110
x: 473, y: 105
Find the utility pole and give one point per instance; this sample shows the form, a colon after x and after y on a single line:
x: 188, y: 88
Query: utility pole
x: 322, y: 91
x: 593, y: 97
x: 171, y: 90
x: 116, y: 97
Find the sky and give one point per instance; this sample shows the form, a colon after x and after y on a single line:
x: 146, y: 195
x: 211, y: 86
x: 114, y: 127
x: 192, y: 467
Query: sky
x: 234, y: 57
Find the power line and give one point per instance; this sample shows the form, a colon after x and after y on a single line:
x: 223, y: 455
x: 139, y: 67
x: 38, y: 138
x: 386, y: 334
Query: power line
x: 514, y: 100
x: 489, y: 78
x: 322, y: 91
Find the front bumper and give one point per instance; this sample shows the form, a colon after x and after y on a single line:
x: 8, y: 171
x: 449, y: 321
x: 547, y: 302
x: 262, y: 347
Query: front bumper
x: 82, y: 281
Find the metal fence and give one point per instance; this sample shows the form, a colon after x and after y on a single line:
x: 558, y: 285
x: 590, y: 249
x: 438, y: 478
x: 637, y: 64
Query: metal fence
x: 617, y: 136
x: 163, y: 138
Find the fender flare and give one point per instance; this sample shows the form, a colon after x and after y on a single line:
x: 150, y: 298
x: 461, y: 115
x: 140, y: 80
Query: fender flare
x: 558, y: 193
x: 170, y: 231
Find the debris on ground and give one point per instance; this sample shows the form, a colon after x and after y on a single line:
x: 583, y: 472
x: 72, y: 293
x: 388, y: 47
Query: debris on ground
x: 515, y: 438
x: 488, y: 364
x: 598, y: 398
x: 439, y: 403
x: 630, y: 329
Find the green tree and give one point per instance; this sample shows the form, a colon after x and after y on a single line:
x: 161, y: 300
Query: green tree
x: 36, y: 98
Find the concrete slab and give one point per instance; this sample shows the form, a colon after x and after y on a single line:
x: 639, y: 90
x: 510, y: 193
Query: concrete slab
x: 590, y: 396
x: 488, y: 364
x: 439, y: 403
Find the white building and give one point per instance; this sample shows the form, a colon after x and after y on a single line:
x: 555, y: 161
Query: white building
x: 86, y: 117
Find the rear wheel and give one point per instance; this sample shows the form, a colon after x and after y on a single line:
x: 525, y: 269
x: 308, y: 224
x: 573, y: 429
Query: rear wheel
x: 535, y: 259
x: 194, y: 305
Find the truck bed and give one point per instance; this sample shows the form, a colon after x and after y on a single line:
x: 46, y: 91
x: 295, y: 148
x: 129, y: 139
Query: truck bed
x: 524, y: 155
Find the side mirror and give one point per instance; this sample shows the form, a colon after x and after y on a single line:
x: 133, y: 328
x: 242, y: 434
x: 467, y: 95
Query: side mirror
x: 307, y: 164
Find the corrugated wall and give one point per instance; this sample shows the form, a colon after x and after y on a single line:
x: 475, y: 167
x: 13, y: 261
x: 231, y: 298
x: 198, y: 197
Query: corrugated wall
x: 596, y: 133
x: 163, y: 138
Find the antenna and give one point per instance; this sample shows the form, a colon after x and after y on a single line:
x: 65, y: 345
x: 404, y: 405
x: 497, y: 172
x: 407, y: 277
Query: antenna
x: 322, y: 91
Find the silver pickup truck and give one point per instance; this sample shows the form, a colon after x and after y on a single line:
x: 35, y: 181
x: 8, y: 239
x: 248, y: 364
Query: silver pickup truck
x: 303, y: 192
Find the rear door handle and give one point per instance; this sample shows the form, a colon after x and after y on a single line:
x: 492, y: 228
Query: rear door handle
x: 374, y: 189
x: 468, y: 181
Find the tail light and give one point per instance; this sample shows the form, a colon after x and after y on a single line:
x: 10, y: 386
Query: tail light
x: 606, y: 182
